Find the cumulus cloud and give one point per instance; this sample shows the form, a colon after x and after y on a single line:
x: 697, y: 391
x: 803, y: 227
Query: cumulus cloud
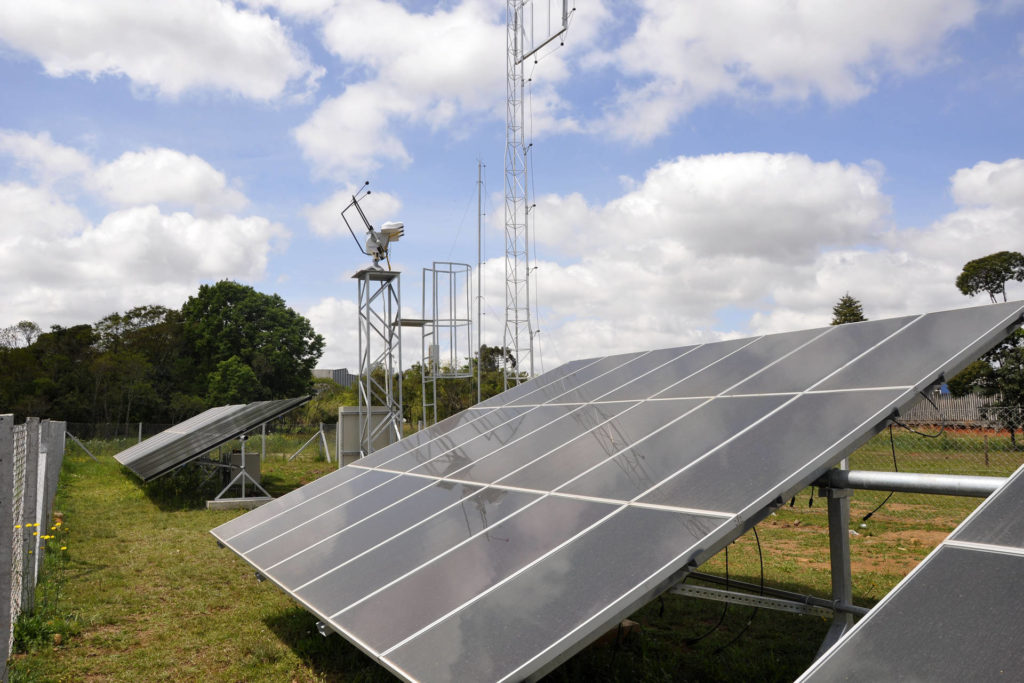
x: 58, y: 266
x: 354, y: 132
x: 167, y: 177
x: 677, y: 260
x: 45, y: 159
x: 165, y: 47
x: 335, y: 319
x: 325, y: 218
x: 987, y: 183
x: 684, y: 54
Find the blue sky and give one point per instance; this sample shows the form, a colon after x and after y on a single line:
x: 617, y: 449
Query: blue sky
x: 700, y: 169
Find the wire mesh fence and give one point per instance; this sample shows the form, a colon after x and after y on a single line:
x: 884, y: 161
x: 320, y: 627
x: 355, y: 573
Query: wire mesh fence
x: 30, y: 461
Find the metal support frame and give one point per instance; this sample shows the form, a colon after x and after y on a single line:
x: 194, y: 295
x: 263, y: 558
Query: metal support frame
x: 323, y: 442
x: 836, y: 486
x: 82, y: 446
x: 447, y: 337
x: 241, y: 477
x: 380, y: 356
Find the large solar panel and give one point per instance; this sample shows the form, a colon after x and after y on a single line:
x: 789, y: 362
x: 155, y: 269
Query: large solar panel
x: 190, y: 439
x: 497, y: 543
x: 956, y: 617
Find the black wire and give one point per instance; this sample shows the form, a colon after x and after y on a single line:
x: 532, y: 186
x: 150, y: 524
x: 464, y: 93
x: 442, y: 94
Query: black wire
x: 725, y: 608
x: 753, y: 614
x: 942, y: 421
x: 895, y: 467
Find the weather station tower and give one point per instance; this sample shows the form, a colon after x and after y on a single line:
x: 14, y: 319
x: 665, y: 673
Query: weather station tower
x: 531, y: 25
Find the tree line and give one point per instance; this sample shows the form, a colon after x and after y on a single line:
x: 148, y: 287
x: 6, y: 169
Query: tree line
x: 227, y: 344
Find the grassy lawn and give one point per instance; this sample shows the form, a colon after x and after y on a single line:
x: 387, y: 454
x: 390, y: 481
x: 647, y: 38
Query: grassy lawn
x: 142, y: 593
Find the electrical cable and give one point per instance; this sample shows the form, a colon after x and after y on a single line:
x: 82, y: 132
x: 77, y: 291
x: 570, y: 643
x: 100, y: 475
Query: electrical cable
x: 725, y: 608
x: 892, y: 447
x: 753, y: 614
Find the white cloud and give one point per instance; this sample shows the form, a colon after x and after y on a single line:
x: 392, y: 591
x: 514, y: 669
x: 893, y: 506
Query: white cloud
x: 167, y: 177
x: 697, y: 247
x: 987, y: 183
x: 428, y: 69
x: 335, y: 319
x: 165, y: 47
x: 325, y: 218
x: 44, y: 158
x: 687, y: 53
x: 777, y: 206
x: 55, y: 267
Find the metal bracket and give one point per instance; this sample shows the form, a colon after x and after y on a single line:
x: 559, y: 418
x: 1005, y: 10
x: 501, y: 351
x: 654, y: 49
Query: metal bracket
x: 749, y: 600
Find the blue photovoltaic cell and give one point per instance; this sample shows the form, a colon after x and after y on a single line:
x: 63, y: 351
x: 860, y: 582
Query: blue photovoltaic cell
x: 491, y: 545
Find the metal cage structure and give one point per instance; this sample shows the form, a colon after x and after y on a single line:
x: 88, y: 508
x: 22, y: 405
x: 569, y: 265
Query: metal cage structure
x: 447, y: 345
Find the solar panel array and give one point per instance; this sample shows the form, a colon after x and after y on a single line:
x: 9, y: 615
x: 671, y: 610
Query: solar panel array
x: 500, y: 541
x: 956, y: 617
x: 192, y: 438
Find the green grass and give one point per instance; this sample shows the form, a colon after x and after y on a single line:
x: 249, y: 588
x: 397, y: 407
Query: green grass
x: 142, y: 592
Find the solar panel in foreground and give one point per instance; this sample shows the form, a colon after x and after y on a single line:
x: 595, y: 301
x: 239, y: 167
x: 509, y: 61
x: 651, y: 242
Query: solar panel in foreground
x: 499, y: 542
x: 188, y: 440
x: 956, y: 617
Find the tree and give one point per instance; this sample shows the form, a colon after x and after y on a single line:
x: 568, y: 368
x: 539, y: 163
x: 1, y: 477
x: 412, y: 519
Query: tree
x: 847, y: 310
x: 1000, y: 373
x: 229, y: 319
x: 232, y: 382
x: 991, y: 273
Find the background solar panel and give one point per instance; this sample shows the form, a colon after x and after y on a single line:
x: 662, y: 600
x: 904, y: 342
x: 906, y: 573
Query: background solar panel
x: 956, y: 617
x: 190, y: 439
x: 495, y: 544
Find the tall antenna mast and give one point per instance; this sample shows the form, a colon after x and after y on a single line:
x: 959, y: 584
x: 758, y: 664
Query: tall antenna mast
x: 528, y: 30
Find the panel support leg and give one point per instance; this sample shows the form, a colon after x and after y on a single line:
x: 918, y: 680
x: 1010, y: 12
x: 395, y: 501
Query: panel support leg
x: 839, y: 552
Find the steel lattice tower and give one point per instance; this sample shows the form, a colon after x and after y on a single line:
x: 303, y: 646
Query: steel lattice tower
x: 518, y: 339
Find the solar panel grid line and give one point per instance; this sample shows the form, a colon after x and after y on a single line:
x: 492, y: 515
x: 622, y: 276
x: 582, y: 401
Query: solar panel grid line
x: 422, y: 522
x: 666, y: 426
x: 986, y: 547
x: 780, y: 489
x: 794, y: 398
x: 955, y: 362
x: 700, y: 369
x: 599, y: 367
x: 509, y: 578
x: 575, y: 411
x: 325, y: 492
x: 315, y: 517
x: 542, y: 381
x: 434, y: 559
x: 742, y: 348
x: 631, y: 358
x: 454, y: 474
x: 656, y: 584
x: 676, y: 354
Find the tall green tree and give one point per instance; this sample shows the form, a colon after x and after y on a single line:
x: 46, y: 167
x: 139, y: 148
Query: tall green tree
x: 232, y: 382
x: 229, y: 319
x: 991, y: 273
x: 847, y: 310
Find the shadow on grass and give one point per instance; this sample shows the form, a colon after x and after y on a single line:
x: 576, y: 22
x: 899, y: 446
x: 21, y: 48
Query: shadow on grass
x: 333, y: 657
x: 186, y: 488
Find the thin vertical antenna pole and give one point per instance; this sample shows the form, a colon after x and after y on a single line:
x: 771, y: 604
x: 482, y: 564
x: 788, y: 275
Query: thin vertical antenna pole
x: 479, y: 279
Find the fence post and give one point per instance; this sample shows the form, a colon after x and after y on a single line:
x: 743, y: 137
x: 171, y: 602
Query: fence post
x: 28, y: 574
x: 6, y: 537
x: 986, y: 450
x: 140, y: 432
